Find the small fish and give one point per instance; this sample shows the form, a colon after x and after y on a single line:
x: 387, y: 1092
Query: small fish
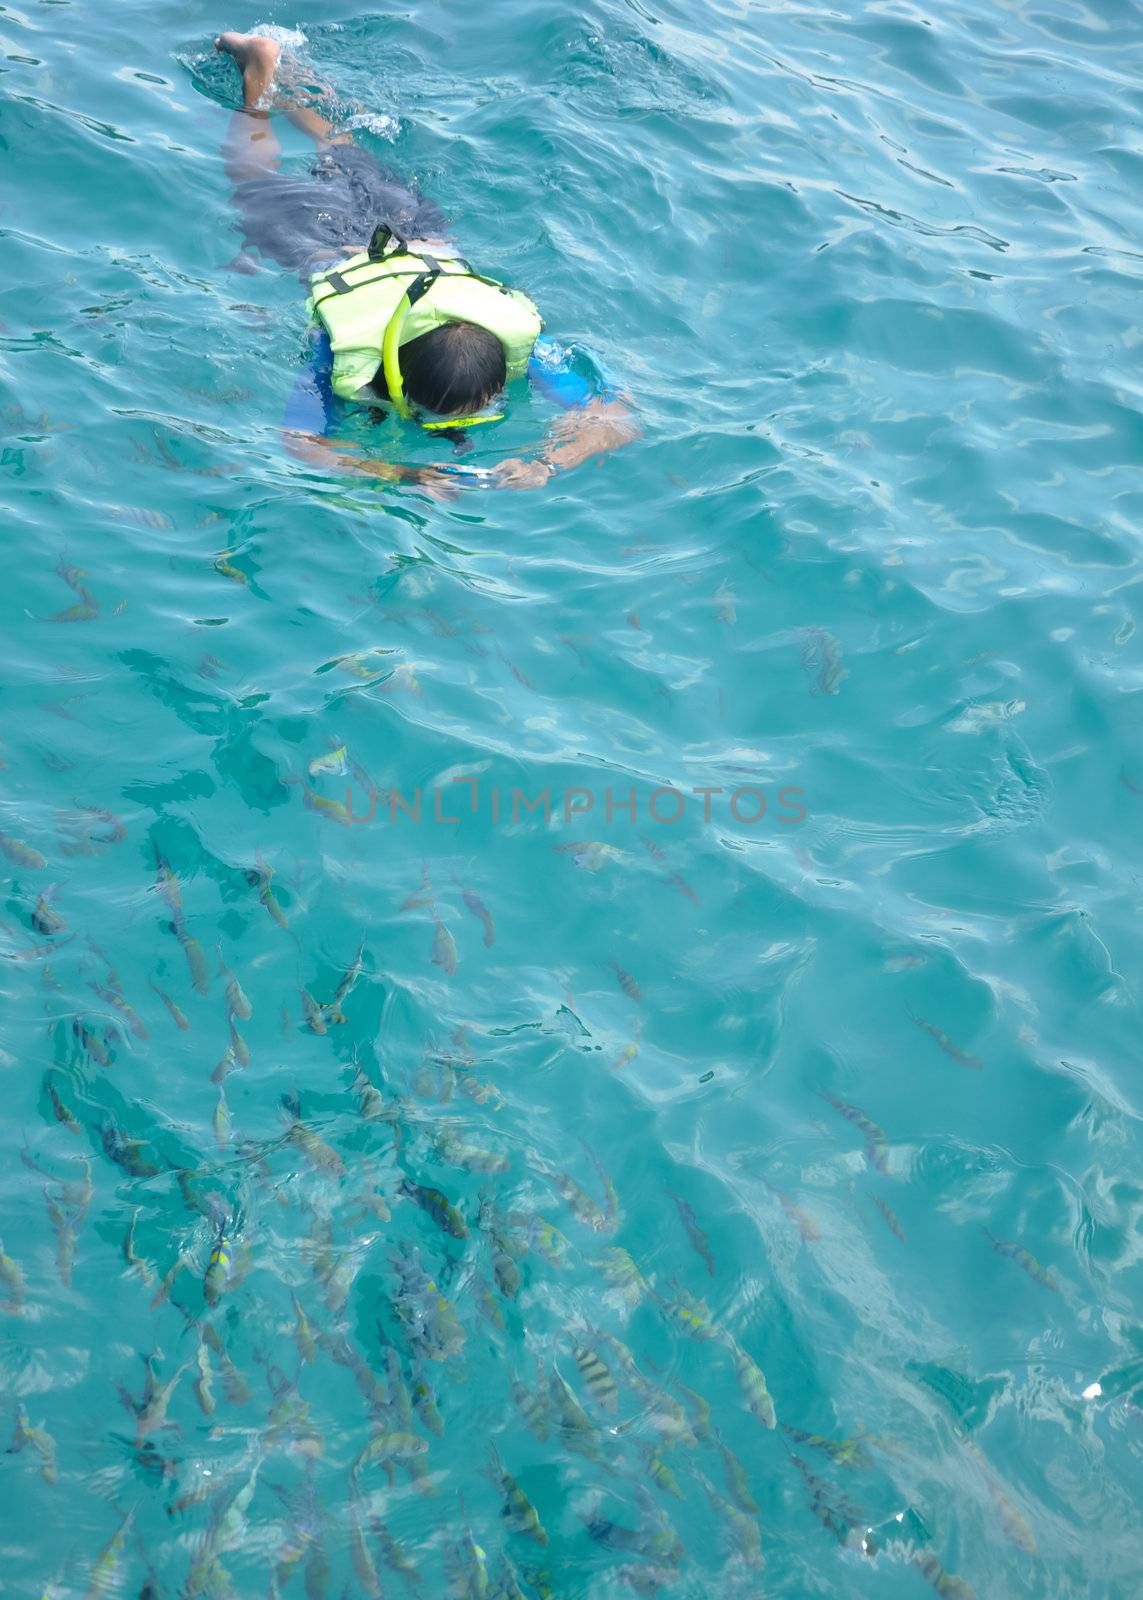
x: 444, y: 948
x: 319, y: 1154
x: 105, y: 1572
x: 476, y: 906
x: 394, y: 1556
x: 315, y: 1015
x: 519, y: 1512
x: 622, y: 1275
x: 627, y: 983
x: 136, y: 1263
x: 692, y: 1315
x: 114, y: 998
x: 152, y: 1409
x: 806, y: 1225
x: 104, y: 828
x: 752, y: 1382
x: 65, y: 1232
x: 391, y: 1446
x: 590, y: 854
x: 947, y: 1584
x: 946, y: 1044
x: 741, y: 1530
x: 471, y: 1157
x: 90, y: 1043
x: 628, y: 1054
x: 142, y: 517
x: 470, y: 1562
x: 532, y: 1408
x: 876, y: 1152
x: 21, y: 854
x: 78, y: 1192
x: 332, y: 765
x: 371, y: 1103
x: 332, y: 810
x: 506, y: 1273
x: 226, y: 1065
x: 508, y: 1585
x: 41, y: 1442
x: 262, y: 877
x: 45, y: 920
x: 124, y: 1151
x: 178, y: 1016
x: 845, y: 1452
x: 484, y: 1094
x: 426, y: 1406
x: 550, y: 1242
x: 600, y: 1383
x: 822, y: 661
x: 1023, y: 1258
x: 574, y: 1195
x: 60, y: 1110
x: 487, y: 1303
x: 890, y: 1218
x: 237, y: 1004
x: 420, y: 897
x: 220, y: 1122
x: 218, y: 1269
x: 832, y: 1510
x: 442, y: 1211
x: 303, y: 1333
x: 234, y: 1385
x: 736, y: 1480
x: 661, y: 1474
x: 361, y: 1558
x: 226, y: 568
x: 395, y: 1396
x: 239, y: 1050
x: 576, y: 1427
x: 348, y: 982
x: 699, y: 1241
x: 204, y: 1393
x: 660, y: 1409
x: 646, y: 1579
x: 699, y: 1411
x: 373, y: 1204
x: 196, y: 962
x: 355, y: 664
x: 1012, y: 1519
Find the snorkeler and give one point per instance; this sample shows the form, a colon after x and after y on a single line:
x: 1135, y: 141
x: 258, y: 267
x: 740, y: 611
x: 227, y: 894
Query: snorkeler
x: 401, y: 320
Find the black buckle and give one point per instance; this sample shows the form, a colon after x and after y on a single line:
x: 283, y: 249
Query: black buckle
x: 382, y: 237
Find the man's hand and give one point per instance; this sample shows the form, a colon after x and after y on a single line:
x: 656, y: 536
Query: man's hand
x: 591, y: 430
x: 437, y: 485
x: 520, y: 474
x: 330, y: 457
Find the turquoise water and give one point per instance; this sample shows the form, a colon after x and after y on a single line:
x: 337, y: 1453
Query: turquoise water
x: 871, y: 274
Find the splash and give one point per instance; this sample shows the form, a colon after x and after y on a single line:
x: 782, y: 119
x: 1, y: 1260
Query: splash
x: 290, y: 39
x: 376, y: 122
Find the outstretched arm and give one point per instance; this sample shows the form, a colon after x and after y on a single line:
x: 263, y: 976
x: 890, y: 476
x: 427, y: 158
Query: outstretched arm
x: 330, y: 455
x: 589, y: 430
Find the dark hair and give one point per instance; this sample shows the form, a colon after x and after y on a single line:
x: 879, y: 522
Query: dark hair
x: 453, y: 370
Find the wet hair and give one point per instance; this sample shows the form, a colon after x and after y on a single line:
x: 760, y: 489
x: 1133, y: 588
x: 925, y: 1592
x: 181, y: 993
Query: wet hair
x: 454, y: 370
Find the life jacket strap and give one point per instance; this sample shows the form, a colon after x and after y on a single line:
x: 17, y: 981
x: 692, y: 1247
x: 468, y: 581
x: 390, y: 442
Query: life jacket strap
x: 377, y: 248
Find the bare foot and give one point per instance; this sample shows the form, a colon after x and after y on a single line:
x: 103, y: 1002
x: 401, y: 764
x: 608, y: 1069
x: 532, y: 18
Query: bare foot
x: 256, y: 59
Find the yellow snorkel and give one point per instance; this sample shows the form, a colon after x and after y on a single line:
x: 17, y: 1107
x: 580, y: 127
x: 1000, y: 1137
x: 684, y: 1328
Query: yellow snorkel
x: 391, y: 359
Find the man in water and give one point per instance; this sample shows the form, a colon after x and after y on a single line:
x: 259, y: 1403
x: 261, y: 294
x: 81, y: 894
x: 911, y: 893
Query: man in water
x: 402, y: 319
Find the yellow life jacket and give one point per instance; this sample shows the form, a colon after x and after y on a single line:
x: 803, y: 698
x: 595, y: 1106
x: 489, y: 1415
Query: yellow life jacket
x: 393, y: 291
